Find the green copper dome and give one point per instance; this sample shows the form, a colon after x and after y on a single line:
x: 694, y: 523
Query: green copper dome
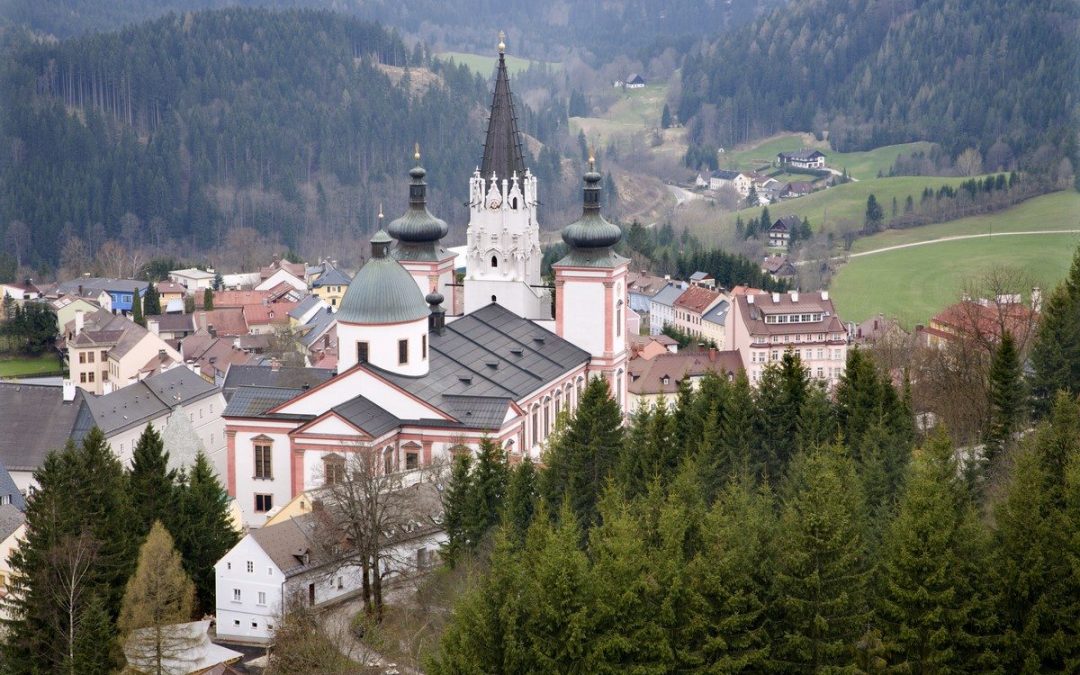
x: 418, y: 232
x: 382, y: 291
x: 590, y: 238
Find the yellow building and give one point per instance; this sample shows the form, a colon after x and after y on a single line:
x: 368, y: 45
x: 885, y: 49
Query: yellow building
x: 331, y: 285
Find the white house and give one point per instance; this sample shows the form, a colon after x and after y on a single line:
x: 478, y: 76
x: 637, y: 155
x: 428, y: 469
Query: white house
x: 194, y: 280
x: 281, y: 276
x: 278, y: 564
x: 12, y: 532
x: 802, y: 159
x: 662, y: 306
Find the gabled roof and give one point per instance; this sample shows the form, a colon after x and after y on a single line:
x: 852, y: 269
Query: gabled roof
x: 286, y: 377
x: 278, y: 312
x: 647, y: 284
x: 697, y: 299
x: 146, y: 400
x: 305, y: 306
x: 368, y: 416
x: 804, y: 154
x: 669, y: 294
x: 785, y: 224
x: 317, y: 326
x: 26, y: 439
x: 662, y: 373
x: 193, y: 273
x: 225, y: 321
x: 635, y: 78
x: 253, y: 401
x: 753, y: 314
x: 502, y: 145
x: 718, y: 314
x: 724, y: 174
x: 10, y: 490
x: 172, y: 323
x: 99, y: 284
x: 331, y: 276
x: 11, y: 517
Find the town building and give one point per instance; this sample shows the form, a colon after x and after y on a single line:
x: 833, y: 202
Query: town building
x: 802, y: 159
x: 66, y: 306
x: 643, y: 288
x: 115, y: 295
x: 330, y: 285
x: 306, y: 309
x: 662, y: 307
x: 765, y: 325
x: 26, y: 440
x: 779, y: 267
x: 12, y: 533
x: 194, y: 280
x: 691, y: 305
x: 170, y: 291
x: 417, y: 385
x: 780, y: 233
x: 714, y: 323
x: 107, y: 352
x: 659, y: 377
x: 981, y: 320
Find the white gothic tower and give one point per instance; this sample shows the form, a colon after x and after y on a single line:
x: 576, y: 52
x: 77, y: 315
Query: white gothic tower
x: 503, y: 261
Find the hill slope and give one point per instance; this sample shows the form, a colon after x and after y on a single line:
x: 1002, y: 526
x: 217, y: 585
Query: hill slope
x: 876, y: 72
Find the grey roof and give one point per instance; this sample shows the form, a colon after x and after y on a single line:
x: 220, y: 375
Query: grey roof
x: 502, y: 145
x: 805, y: 153
x: 305, y: 306
x: 317, y: 326
x: 484, y: 412
x: 146, y: 400
x: 170, y: 323
x: 382, y: 291
x: 724, y: 174
x: 11, y: 517
x: 101, y: 284
x: 700, y: 276
x: 10, y: 490
x: 368, y: 416
x: 254, y: 401
x: 491, y: 353
x: 331, y: 276
x: 718, y: 314
x: 285, y: 377
x: 669, y: 295
x: 35, y: 420
x: 286, y: 543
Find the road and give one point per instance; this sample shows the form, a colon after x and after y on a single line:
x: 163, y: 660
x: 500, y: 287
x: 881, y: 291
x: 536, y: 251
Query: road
x: 682, y: 194
x: 953, y: 238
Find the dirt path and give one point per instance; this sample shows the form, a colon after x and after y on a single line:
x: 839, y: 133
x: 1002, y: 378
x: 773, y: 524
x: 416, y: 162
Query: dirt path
x: 953, y: 238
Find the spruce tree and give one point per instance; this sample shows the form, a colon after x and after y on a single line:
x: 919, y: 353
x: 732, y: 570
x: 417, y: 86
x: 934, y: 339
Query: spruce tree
x: 488, y: 489
x: 208, y: 300
x: 95, y: 643
x: 1006, y: 398
x: 153, y: 484
x: 158, y: 595
x: 783, y: 389
x: 584, y: 453
x: 152, y: 302
x: 1055, y: 351
x: 203, y: 528
x: 820, y: 585
x: 136, y: 309
x: 456, y: 508
x: 665, y: 117
x: 738, y: 422
x: 930, y: 600
x: 522, y: 494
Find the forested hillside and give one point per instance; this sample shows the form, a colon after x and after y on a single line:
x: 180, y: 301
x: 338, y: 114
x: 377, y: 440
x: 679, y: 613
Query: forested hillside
x: 191, y: 126
x: 999, y: 76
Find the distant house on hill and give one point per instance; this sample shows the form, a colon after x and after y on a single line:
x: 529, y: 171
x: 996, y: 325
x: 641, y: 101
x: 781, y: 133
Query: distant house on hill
x: 778, y: 266
x: 635, y: 81
x: 779, y: 234
x: 721, y: 178
x: 802, y: 159
x: 798, y: 188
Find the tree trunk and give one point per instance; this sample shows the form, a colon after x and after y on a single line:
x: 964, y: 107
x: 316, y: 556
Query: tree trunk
x: 377, y: 584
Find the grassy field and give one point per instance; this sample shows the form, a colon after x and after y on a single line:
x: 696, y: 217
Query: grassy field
x: 485, y: 65
x: 29, y: 366
x: 1057, y: 211
x: 912, y: 284
x: 835, y: 206
x: 860, y: 165
x: 635, y: 113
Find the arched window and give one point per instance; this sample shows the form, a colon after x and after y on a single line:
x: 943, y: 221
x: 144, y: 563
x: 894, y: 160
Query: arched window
x: 494, y: 261
x: 535, y: 431
x: 513, y: 203
x: 388, y: 459
x: 547, y: 416
x: 493, y: 298
x: 618, y: 319
x: 558, y: 403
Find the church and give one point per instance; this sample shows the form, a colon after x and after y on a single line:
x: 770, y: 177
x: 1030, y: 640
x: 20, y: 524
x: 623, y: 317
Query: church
x: 414, y: 381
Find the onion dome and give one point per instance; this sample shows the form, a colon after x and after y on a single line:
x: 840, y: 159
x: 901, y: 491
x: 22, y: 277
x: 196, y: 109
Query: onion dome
x: 590, y: 238
x: 434, y: 298
x: 382, y: 291
x: 418, y: 226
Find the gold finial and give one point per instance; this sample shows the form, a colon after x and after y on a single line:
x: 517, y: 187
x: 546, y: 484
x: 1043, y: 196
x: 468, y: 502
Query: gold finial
x: 502, y: 42
x: 380, y: 212
x: 592, y: 159
x: 416, y: 152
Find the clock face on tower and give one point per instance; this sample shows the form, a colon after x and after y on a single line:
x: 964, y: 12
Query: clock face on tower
x: 494, y: 203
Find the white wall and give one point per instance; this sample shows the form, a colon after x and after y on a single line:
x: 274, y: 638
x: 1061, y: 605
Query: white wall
x: 235, y: 619
x: 279, y: 486
x: 383, y: 345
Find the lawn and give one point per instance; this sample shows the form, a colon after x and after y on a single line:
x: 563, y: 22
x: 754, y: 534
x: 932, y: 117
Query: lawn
x: 1056, y: 211
x: 485, y: 65
x: 30, y: 366
x: 841, y: 204
x: 635, y: 113
x: 912, y: 284
x: 860, y: 165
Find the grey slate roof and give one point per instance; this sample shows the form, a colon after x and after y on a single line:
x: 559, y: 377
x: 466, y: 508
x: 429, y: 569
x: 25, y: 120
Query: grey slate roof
x: 35, y: 419
x: 368, y: 416
x: 9, y: 490
x: 669, y: 295
x: 718, y: 314
x: 254, y: 401
x: 100, y: 284
x: 286, y: 377
x: 317, y: 326
x: 137, y: 404
x: 724, y: 174
x: 10, y: 520
x: 331, y: 276
x: 305, y: 306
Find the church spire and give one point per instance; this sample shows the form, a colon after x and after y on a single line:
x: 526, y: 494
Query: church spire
x: 502, y: 146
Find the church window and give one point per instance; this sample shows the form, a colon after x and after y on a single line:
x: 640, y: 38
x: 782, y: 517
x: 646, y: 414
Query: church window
x: 535, y: 424
x: 388, y: 461
x: 412, y: 461
x: 263, y: 468
x: 494, y: 261
x: 547, y: 416
x: 493, y: 298
x: 618, y: 319
x: 263, y: 503
x: 423, y: 346
x: 333, y: 469
x: 558, y: 404
x: 402, y: 352
x: 362, y: 352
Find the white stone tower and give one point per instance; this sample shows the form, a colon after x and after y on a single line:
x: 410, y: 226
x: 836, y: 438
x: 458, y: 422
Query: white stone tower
x: 503, y: 262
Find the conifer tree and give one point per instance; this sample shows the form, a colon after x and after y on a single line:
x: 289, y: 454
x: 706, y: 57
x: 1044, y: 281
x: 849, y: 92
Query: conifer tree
x: 456, y: 508
x: 153, y: 484
x: 204, y: 531
x: 158, y: 595
x: 584, y: 453
x: 819, y: 589
x: 488, y: 488
x: 650, y: 452
x: 1055, y: 352
x: 731, y: 580
x: 665, y: 117
x: 930, y: 599
x: 152, y: 301
x: 738, y: 422
x: 522, y: 493
x: 136, y: 309
x: 95, y: 642
x: 781, y: 392
x: 1006, y: 398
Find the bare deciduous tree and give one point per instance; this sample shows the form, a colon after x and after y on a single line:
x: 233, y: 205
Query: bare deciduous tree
x: 17, y: 240
x: 70, y: 564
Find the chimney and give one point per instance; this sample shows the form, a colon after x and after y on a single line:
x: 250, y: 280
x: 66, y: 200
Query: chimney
x: 80, y: 290
x: 275, y: 365
x: 824, y: 295
x: 213, y: 331
x: 775, y: 298
x: 794, y: 296
x: 78, y: 320
x: 153, y: 326
x: 667, y: 277
x: 749, y: 299
x: 161, y: 354
x: 1036, y: 299
x: 69, y: 391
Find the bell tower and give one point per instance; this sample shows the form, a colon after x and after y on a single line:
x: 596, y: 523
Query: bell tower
x: 503, y: 259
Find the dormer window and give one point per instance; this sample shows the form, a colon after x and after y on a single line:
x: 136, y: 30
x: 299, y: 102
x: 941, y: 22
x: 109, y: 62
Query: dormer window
x: 665, y: 380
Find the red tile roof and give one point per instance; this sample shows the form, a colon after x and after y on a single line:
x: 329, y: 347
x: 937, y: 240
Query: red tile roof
x: 264, y: 314
x: 697, y: 299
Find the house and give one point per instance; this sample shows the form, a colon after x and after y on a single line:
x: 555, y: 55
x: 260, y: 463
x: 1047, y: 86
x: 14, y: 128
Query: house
x: 307, y: 308
x: 212, y: 356
x: 982, y: 320
x: 649, y: 346
x: 714, y: 323
x: 26, y: 440
x: 762, y: 326
x: 240, y: 280
x: 12, y: 533
x: 635, y: 81
x: 799, y: 188
x: 877, y: 328
x: 662, y: 307
x: 169, y: 291
x: 779, y: 235
x: 802, y: 159
x: 738, y: 181
x: 691, y: 305
x: 331, y: 284
x: 119, y: 292
x: 124, y: 414
x: 778, y: 266
x: 9, y: 491
x: 66, y: 306
x: 651, y: 379
x: 317, y: 332
x: 197, y: 656
x: 762, y: 182
x: 281, y: 270
x: 171, y: 326
x: 282, y: 563
x: 20, y: 292
x: 222, y: 322
x: 642, y: 288
x: 703, y: 279
x: 107, y: 352
x: 265, y: 319
x: 195, y: 281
